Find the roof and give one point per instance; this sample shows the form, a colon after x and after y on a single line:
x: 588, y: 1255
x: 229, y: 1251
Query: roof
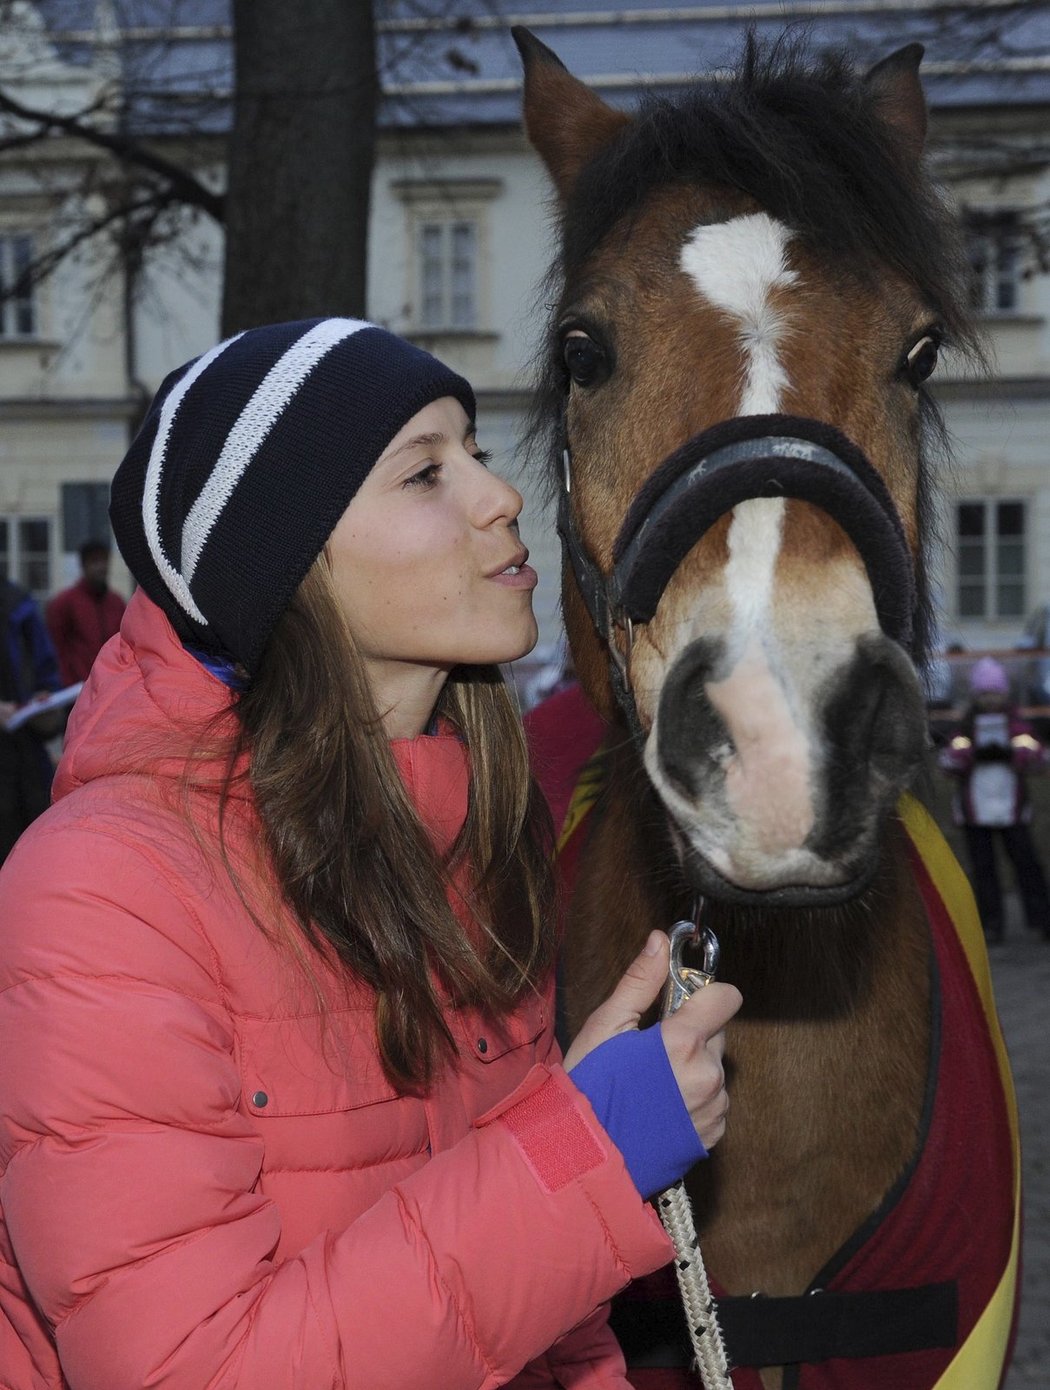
x: 452, y: 63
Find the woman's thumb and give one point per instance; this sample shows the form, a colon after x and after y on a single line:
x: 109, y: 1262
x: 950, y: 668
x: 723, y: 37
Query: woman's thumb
x: 637, y: 990
x: 640, y: 985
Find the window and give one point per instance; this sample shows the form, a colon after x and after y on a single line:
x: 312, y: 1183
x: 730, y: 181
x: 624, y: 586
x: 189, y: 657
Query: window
x: 990, y: 557
x: 447, y: 259
x: 85, y: 514
x: 994, y: 240
x: 17, y: 306
x: 25, y: 552
x: 447, y: 223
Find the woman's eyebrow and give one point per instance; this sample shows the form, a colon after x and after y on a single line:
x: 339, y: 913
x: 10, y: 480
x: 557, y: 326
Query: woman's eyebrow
x: 420, y: 441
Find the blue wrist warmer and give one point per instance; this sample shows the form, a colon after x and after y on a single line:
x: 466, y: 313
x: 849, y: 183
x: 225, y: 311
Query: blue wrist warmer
x: 632, y: 1089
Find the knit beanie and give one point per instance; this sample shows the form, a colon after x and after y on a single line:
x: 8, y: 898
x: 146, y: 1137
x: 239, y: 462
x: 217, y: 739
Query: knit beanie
x: 989, y: 677
x: 248, y: 457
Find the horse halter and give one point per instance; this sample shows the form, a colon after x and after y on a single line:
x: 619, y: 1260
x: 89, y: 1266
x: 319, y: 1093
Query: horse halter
x: 732, y: 462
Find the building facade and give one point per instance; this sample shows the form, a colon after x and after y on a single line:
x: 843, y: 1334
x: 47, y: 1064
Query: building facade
x: 460, y: 239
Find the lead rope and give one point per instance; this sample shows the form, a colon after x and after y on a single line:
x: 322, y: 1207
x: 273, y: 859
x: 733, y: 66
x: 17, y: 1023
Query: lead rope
x: 676, y: 1213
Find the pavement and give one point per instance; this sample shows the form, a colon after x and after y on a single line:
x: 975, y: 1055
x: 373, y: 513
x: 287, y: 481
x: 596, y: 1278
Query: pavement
x: 1021, y: 976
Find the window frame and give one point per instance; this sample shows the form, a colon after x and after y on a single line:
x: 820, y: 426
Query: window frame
x: 29, y: 302
x: 995, y: 231
x: 448, y: 318
x: 445, y: 205
x: 993, y: 578
x: 14, y: 561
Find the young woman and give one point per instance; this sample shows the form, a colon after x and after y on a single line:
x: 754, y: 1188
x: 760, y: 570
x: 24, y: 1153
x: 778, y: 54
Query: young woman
x: 280, y: 1101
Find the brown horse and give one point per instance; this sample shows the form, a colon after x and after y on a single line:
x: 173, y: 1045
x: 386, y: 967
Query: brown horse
x: 753, y: 285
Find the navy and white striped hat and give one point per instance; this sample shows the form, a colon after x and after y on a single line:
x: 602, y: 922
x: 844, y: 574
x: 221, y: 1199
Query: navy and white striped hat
x: 246, y: 460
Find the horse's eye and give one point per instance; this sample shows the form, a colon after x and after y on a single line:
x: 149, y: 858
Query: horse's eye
x: 922, y: 359
x: 586, y: 363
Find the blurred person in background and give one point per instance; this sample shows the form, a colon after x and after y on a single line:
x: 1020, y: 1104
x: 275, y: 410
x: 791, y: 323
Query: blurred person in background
x: 82, y: 618
x: 989, y: 756
x: 28, y: 669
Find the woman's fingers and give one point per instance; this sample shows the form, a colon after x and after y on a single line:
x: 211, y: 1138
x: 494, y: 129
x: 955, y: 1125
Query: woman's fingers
x: 638, y: 989
x: 695, y: 1041
x: 694, y: 1037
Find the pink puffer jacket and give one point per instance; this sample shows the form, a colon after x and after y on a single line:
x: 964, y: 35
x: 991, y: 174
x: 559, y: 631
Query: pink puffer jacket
x: 204, y: 1185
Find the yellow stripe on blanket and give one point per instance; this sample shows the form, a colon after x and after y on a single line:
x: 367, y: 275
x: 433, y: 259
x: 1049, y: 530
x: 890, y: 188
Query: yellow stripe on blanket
x: 978, y: 1364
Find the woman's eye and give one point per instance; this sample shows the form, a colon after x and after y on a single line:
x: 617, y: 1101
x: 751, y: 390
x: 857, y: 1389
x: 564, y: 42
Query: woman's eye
x: 922, y: 359
x: 484, y: 457
x: 586, y: 362
x: 426, y: 477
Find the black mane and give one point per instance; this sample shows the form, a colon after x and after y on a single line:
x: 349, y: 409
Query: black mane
x: 803, y: 137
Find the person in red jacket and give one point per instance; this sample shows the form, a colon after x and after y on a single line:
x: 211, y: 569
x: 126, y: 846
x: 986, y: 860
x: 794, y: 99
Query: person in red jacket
x: 82, y: 618
x: 281, y: 1104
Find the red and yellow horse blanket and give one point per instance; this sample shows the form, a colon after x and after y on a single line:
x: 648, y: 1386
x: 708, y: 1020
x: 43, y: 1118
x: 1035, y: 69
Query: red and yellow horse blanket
x: 952, y: 1223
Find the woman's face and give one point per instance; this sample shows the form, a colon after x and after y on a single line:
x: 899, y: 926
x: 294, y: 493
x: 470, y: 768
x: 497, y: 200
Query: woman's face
x: 426, y: 560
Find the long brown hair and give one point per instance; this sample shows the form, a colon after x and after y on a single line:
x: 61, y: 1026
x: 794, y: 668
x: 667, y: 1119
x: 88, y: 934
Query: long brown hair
x: 354, y: 863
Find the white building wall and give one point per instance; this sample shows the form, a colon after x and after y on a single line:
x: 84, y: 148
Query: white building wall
x: 1000, y: 452
x: 1001, y: 431
x: 516, y: 246
x: 67, y: 401
x: 179, y: 303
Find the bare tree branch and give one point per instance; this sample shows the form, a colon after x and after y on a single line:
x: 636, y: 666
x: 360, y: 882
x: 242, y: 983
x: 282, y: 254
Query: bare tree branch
x: 125, y: 148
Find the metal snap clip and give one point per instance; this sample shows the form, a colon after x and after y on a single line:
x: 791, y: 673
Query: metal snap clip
x: 684, y: 980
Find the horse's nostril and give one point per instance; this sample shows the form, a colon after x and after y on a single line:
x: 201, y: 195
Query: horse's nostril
x: 875, y: 723
x: 876, y: 715
x: 693, y: 738
x: 720, y: 753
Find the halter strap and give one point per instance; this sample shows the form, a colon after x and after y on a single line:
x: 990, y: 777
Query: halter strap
x: 735, y: 461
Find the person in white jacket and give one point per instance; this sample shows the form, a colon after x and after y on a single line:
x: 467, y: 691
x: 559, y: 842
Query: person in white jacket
x: 990, y: 757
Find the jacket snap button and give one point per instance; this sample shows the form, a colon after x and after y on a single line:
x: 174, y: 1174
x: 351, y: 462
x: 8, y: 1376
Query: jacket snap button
x: 260, y: 1099
x: 482, y: 1045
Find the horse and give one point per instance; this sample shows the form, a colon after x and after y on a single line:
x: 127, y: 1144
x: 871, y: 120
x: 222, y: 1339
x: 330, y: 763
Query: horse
x: 754, y: 281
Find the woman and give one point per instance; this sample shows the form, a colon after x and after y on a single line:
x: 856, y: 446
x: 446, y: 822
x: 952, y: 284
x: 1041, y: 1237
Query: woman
x: 990, y: 756
x: 281, y: 1104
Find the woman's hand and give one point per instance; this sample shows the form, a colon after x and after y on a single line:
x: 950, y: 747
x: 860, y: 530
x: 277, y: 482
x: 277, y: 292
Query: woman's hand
x: 694, y: 1037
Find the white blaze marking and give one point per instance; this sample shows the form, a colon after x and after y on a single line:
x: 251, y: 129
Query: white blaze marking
x: 754, y: 545
x: 735, y: 265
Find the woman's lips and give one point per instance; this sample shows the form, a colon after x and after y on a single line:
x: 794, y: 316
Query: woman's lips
x: 517, y: 577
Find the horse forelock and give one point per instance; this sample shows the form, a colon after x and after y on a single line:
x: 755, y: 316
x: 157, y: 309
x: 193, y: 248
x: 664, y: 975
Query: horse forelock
x: 805, y: 140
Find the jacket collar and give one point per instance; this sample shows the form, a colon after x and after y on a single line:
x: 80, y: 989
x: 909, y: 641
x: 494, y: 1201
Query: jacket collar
x: 147, y: 699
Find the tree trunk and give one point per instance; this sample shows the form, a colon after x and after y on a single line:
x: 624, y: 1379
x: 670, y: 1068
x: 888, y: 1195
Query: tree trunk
x: 300, y: 160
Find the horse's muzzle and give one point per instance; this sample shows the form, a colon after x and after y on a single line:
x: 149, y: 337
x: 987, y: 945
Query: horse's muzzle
x: 777, y: 813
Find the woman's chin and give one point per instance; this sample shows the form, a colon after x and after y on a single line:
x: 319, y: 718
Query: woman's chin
x: 515, y: 651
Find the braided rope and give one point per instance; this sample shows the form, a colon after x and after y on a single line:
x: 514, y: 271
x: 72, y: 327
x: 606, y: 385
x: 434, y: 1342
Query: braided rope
x: 676, y: 1213
x: 701, y: 1313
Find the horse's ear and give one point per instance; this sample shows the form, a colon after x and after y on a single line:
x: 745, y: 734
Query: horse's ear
x: 898, y: 91
x: 566, y: 123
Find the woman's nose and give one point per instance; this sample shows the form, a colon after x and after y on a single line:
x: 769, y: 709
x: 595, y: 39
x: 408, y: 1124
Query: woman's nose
x: 501, y: 500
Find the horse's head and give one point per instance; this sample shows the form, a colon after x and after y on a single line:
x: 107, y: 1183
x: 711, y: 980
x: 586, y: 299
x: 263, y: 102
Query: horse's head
x: 753, y: 285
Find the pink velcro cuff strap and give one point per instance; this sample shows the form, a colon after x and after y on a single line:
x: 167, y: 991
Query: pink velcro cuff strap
x: 556, y: 1141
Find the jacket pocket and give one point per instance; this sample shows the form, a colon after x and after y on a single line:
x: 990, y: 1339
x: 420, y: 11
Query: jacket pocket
x: 311, y: 1065
x: 491, y: 1039
x: 336, y: 1134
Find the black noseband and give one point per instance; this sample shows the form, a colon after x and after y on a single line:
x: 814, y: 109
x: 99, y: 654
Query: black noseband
x: 733, y: 462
